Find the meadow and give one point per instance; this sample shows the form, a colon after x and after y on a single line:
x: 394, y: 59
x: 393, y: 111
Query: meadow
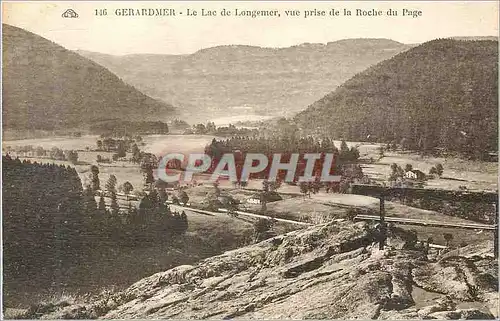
x: 207, y: 236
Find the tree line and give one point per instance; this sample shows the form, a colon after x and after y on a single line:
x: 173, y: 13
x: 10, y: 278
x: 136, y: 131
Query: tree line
x: 441, y: 96
x: 344, y: 158
x: 222, y: 131
x: 54, y: 153
x: 50, y: 220
x: 119, y: 128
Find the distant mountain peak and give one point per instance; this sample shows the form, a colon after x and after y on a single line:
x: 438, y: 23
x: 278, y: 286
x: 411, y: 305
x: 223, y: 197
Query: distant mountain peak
x: 274, y: 81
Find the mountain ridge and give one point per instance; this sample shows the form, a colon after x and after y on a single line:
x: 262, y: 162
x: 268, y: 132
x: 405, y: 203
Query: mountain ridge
x: 413, y: 95
x: 63, y: 88
x: 271, y: 81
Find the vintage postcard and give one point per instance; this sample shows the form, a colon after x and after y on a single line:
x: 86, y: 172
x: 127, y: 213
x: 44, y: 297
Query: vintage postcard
x: 250, y: 160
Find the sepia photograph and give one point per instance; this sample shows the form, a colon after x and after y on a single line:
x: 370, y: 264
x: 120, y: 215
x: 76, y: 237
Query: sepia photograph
x: 262, y: 160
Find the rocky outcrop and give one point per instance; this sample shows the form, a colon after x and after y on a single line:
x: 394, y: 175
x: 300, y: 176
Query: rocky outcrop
x: 329, y: 271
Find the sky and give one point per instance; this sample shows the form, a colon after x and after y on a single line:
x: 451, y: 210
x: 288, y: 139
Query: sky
x: 181, y: 34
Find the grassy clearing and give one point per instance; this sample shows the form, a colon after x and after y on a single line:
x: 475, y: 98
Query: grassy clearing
x: 163, y: 144
x: 306, y: 210
x: 475, y: 175
x: 208, y: 236
x: 79, y: 143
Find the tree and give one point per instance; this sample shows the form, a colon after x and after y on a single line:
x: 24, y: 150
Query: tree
x: 448, y: 238
x: 400, y: 172
x: 56, y: 153
x: 200, y: 129
x: 99, y: 144
x: 72, y: 157
x: 136, y: 154
x: 39, y: 151
x: 261, y: 228
x: 184, y: 222
x: 381, y: 152
x: 111, y: 184
x: 153, y: 197
x: 344, y: 149
x: 132, y: 215
x: 265, y: 186
x: 274, y: 186
x: 127, y: 187
x: 121, y: 150
x: 162, y: 195
x: 114, y: 205
x: 183, y: 197
x: 148, y: 163
x: 304, y: 188
x: 90, y: 205
x: 315, y: 187
x: 94, y: 172
x: 351, y: 214
x: 102, y: 205
x: 216, y: 188
x: 439, y: 169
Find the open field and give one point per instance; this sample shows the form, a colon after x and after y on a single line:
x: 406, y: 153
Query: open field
x: 184, y: 144
x: 208, y: 236
x: 306, y: 210
x: 475, y: 175
x: 77, y: 143
x: 124, y: 171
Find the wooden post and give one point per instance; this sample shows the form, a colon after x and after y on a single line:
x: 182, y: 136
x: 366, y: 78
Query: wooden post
x: 383, y: 234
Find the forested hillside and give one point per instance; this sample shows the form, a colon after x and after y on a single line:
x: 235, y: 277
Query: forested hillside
x: 443, y: 93
x: 48, y: 87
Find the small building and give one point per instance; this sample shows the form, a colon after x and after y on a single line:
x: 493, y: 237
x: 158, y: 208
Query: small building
x: 415, y: 174
x: 269, y: 197
x: 227, y: 200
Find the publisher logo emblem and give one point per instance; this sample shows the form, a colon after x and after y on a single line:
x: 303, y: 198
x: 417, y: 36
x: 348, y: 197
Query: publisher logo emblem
x: 70, y: 13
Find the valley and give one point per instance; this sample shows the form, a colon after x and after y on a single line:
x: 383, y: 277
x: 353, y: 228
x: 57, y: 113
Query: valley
x: 90, y: 230
x: 208, y: 235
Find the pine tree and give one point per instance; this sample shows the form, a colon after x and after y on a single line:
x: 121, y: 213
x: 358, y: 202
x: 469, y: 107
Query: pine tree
x: 439, y: 169
x: 111, y: 184
x: 102, y: 205
x: 343, y: 147
x: 162, y: 195
x: 136, y: 154
x: 94, y: 170
x: 90, y: 205
x: 184, y: 222
x: 114, y: 204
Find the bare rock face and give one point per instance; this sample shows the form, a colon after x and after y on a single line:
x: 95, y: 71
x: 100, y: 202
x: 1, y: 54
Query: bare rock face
x: 329, y: 271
